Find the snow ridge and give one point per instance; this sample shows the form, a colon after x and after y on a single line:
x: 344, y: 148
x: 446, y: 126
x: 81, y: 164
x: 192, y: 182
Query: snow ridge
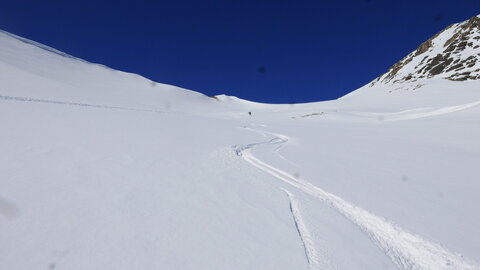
x: 41, y: 46
x: 406, y: 250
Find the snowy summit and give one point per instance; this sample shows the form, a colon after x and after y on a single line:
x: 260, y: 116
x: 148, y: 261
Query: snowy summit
x: 102, y: 169
x: 451, y: 54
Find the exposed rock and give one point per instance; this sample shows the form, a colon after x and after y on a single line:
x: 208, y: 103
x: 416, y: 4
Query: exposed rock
x: 453, y: 53
x: 423, y: 47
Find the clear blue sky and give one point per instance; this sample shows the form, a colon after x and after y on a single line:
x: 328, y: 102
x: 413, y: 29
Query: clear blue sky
x: 268, y: 51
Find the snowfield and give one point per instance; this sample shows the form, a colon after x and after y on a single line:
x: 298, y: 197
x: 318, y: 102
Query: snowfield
x: 101, y: 169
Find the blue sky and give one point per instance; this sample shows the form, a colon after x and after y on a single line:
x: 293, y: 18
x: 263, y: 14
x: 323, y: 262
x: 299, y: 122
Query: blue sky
x: 267, y: 51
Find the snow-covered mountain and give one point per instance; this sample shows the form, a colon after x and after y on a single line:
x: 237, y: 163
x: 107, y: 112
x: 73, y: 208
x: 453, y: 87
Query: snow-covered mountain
x: 452, y: 54
x: 101, y: 169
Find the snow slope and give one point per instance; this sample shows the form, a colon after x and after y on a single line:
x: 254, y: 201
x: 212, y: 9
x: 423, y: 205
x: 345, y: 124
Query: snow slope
x: 101, y: 169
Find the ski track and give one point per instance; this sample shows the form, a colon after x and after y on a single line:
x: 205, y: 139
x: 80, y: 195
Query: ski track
x: 25, y: 99
x: 305, y: 236
x: 427, y: 112
x: 406, y: 250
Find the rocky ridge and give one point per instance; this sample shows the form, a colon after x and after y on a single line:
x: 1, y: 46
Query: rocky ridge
x: 453, y: 54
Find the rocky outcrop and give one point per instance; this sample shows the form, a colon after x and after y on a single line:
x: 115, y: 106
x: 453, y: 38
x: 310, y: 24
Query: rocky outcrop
x: 453, y: 54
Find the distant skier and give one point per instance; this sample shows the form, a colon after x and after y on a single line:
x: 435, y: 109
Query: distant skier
x: 250, y: 113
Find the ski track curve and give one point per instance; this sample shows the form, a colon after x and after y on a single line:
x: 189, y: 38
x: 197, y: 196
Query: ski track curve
x: 38, y: 100
x: 406, y: 250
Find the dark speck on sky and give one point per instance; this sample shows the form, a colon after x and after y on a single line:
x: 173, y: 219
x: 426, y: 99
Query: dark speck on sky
x: 438, y: 18
x: 314, y: 50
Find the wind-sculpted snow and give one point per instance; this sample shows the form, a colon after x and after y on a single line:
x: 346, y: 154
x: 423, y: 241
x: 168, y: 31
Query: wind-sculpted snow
x: 406, y: 250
